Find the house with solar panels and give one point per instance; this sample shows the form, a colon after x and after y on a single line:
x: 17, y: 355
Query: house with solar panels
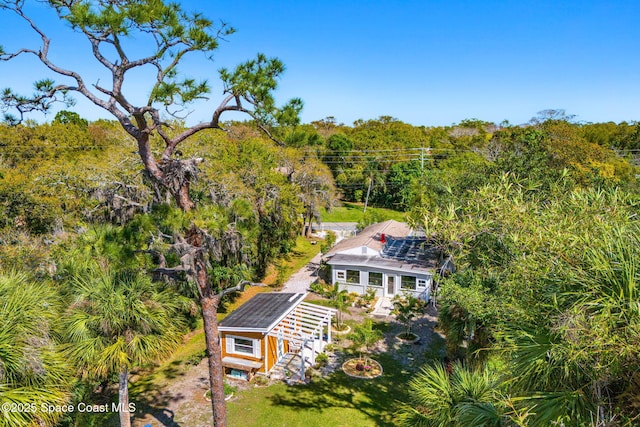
x: 388, y: 257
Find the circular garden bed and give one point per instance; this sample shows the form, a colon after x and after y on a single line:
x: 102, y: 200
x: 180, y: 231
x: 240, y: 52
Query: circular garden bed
x: 345, y: 330
x: 362, y: 368
x: 409, y: 338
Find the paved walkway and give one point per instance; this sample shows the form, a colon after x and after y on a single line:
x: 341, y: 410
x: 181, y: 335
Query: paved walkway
x: 383, y: 307
x: 300, y: 281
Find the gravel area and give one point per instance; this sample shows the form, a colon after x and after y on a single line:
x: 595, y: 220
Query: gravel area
x: 300, y: 281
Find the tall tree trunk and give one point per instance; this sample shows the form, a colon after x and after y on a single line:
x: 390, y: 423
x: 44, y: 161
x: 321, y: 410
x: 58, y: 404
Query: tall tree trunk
x: 216, y: 374
x: 183, y: 199
x: 209, y: 301
x: 123, y: 398
x: 310, y: 225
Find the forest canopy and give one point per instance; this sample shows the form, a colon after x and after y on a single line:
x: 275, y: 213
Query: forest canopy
x: 514, y: 205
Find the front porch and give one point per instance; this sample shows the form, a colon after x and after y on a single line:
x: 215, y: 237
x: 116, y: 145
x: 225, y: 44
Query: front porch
x: 307, y: 329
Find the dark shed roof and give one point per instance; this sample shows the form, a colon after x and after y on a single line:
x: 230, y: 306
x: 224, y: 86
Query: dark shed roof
x: 262, y: 312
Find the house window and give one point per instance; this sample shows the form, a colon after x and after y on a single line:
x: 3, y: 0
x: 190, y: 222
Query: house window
x: 245, y: 346
x: 422, y: 283
x: 408, y: 282
x: 375, y: 279
x: 353, y: 276
x: 341, y: 275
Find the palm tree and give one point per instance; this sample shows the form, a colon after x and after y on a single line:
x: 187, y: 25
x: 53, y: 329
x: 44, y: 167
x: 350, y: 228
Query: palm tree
x: 547, y: 376
x: 340, y: 299
x: 457, y: 398
x: 365, y: 336
x: 406, y: 308
x: 120, y: 321
x: 571, y: 369
x: 33, y: 372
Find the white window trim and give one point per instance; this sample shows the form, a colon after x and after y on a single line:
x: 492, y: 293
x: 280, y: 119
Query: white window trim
x: 422, y: 283
x: 231, y: 346
x: 415, y: 283
x: 341, y: 275
x: 359, y: 282
x: 381, y: 280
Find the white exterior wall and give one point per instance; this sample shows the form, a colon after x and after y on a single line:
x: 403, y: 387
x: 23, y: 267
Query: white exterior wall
x: 391, y: 282
x: 361, y: 250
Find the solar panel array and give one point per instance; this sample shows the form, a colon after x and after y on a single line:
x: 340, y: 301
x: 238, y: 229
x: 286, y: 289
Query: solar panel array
x: 409, y: 249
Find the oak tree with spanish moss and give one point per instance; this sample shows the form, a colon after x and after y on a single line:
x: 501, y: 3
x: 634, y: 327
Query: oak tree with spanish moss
x: 115, y: 31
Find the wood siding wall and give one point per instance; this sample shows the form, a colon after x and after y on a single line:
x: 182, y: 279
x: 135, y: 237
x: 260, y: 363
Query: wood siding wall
x: 268, y: 348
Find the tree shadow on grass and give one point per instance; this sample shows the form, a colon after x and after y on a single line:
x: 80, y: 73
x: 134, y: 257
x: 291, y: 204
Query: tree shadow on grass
x: 153, y: 404
x: 376, y: 398
x: 173, y: 370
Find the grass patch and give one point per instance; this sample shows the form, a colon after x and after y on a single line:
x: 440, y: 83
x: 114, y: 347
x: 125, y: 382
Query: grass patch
x: 171, y: 368
x: 300, y: 256
x: 353, y: 212
x: 337, y: 400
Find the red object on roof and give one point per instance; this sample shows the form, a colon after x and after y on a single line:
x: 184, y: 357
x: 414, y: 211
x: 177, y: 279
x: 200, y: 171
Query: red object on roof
x: 382, y: 238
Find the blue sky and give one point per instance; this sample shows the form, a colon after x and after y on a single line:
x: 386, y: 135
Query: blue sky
x: 423, y: 62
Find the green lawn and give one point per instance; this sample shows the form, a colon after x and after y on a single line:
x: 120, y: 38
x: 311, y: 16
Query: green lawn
x: 300, y: 256
x: 337, y: 400
x: 353, y: 212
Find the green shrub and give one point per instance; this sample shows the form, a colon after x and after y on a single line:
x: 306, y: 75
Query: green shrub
x: 196, y: 358
x: 322, y: 359
x: 229, y: 389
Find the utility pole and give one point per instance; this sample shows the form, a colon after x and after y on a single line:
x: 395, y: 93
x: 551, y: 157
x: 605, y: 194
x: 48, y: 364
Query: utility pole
x: 366, y: 201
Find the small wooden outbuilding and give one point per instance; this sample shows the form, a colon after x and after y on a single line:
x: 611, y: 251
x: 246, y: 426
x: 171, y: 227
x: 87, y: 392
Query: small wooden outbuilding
x: 261, y: 333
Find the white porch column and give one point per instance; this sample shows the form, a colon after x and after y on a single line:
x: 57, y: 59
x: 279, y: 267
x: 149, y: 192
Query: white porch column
x: 266, y: 354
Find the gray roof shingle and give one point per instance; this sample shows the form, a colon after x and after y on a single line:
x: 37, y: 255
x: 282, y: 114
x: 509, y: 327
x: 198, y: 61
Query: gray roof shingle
x: 371, y: 236
x: 262, y: 312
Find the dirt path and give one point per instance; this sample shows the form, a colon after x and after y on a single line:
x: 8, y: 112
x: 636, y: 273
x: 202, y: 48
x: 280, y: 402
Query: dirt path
x: 181, y: 402
x: 175, y: 404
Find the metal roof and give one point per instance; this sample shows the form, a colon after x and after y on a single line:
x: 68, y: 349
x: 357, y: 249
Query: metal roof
x: 376, y: 262
x: 262, y: 312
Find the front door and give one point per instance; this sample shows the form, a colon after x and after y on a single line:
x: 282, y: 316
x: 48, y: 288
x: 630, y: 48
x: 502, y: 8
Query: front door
x: 391, y: 286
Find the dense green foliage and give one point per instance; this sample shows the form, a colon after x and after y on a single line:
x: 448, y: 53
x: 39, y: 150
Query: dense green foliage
x: 33, y: 372
x: 544, y: 234
x: 93, y: 206
x: 547, y: 283
x: 388, y: 163
x: 541, y: 221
